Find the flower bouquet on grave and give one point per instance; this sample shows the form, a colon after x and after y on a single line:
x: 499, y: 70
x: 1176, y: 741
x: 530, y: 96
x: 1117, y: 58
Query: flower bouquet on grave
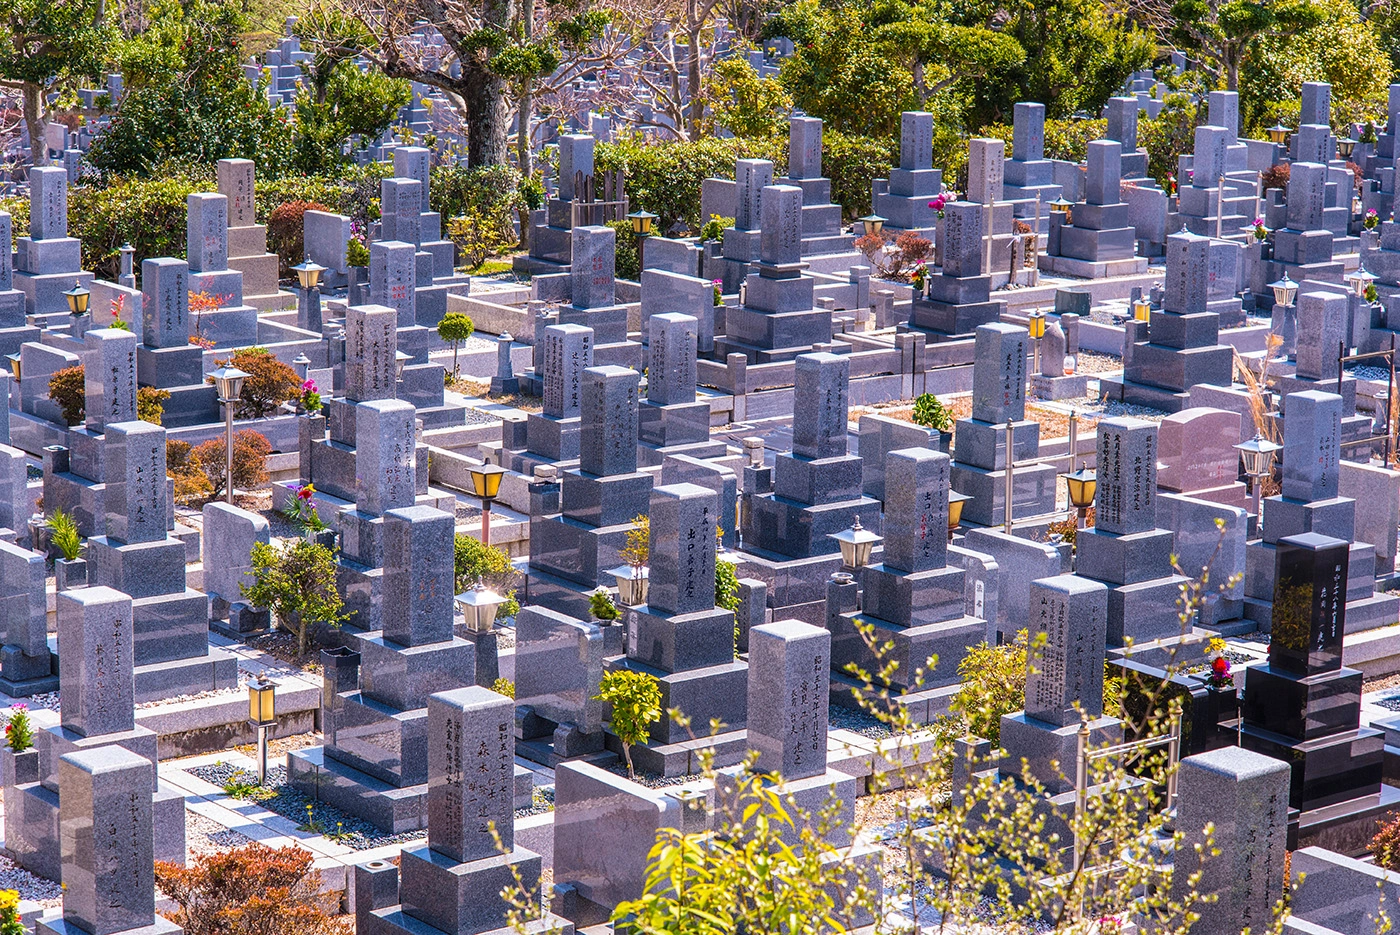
x: 918, y: 276
x: 1220, y: 677
x: 1371, y: 221
x: 310, y: 397
x: 1260, y: 231
x: 719, y: 294
x: 941, y: 201
x: 301, y: 512
x: 19, y: 732
x: 1171, y: 185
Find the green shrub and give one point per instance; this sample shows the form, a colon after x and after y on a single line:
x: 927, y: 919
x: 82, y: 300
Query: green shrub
x: 504, y: 687
x: 664, y: 177
x: 626, y: 263
x: 852, y: 163
x: 930, y: 413
x: 636, y: 705
x: 19, y: 732
x: 993, y: 684
x: 149, y: 402
x: 148, y: 213
x: 66, y: 388
x: 482, y: 205
x: 296, y: 581
x: 285, y: 227
x: 472, y: 561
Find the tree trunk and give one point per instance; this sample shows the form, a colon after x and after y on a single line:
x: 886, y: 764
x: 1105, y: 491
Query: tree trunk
x: 35, y: 123
x: 692, y: 72
x: 484, y: 96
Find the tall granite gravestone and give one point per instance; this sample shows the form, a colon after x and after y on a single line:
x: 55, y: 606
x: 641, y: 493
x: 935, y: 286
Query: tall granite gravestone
x: 683, y: 639
x: 374, y: 764
x: 1208, y: 203
x: 26, y: 660
x: 958, y: 298
x: 1303, y: 247
x: 402, y: 221
x: 673, y: 421
x: 905, y: 202
x: 1064, y: 688
x: 48, y: 262
x: 414, y: 162
x: 559, y: 647
x: 880, y: 435
x: 670, y: 292
x: 14, y: 329
x: 392, y: 278
x: 97, y: 712
x: 552, y: 435
x: 224, y: 319
x: 595, y: 304
x: 456, y: 882
x: 777, y: 321
x: 165, y: 358
x: 1122, y: 114
x: 1243, y: 797
x: 1029, y: 178
x: 979, y: 450
x: 742, y: 246
x: 1309, y: 502
x: 138, y: 557
x: 550, y: 240
x: 247, y: 239
x: 107, y: 851
x: 1304, y: 706
x: 1179, y: 347
x: 1099, y: 239
x: 821, y: 220
x: 1125, y: 550
x: 913, y: 598
x: 816, y: 489
x: 226, y: 546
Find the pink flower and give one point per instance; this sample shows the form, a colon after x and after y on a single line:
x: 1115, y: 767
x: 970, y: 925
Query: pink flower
x: 1371, y: 213
x: 309, y: 386
x: 1258, y: 222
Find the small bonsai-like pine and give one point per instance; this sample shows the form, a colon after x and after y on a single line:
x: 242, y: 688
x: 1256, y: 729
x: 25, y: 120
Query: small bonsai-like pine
x: 66, y: 537
x: 296, y: 581
x: 601, y: 605
x: 19, y: 733
x: 455, y: 328
x: 67, y: 389
x: 636, y: 705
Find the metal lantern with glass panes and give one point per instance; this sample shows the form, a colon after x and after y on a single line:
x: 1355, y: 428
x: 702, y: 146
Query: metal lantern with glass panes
x: 872, y: 224
x: 1035, y: 330
x: 486, y: 484
x: 309, y: 273
x: 400, y: 359
x: 1081, y: 486
x: 1360, y: 280
x: 78, y: 299
x: 1346, y: 147
x: 14, y: 360
x: 1142, y: 309
x: 1278, y: 134
x: 228, y: 383
x: 632, y: 584
x: 262, y: 712
x: 856, y: 544
x: 1258, y: 456
x: 1285, y: 290
x: 478, y: 605
x: 641, y: 227
x: 955, y: 509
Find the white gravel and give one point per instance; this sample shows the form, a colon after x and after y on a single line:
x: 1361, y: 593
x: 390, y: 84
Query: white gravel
x: 14, y: 877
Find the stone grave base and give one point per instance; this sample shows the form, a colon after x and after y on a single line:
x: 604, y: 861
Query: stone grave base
x: 51, y: 923
x: 923, y: 706
x: 1072, y: 386
x: 683, y: 757
x: 1141, y: 394
x: 1090, y: 269
x: 388, y: 808
x: 214, y: 670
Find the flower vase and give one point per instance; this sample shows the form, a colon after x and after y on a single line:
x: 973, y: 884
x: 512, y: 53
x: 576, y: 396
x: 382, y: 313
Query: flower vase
x: 18, y: 768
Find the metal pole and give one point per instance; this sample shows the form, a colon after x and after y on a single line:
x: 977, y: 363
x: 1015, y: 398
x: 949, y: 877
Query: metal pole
x: 1081, y: 793
x: 1073, y: 438
x: 1341, y: 356
x: 1010, y: 452
x: 1173, y: 757
x: 228, y: 445
x: 485, y: 521
x: 262, y: 755
x: 1219, y: 206
x: 1389, y: 401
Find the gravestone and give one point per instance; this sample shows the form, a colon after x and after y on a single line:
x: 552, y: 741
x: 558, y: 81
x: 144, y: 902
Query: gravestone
x: 821, y: 385
x: 165, y: 302
x: 371, y: 349
x: 781, y: 238
x: 592, y: 273
x: 805, y: 149
x: 392, y: 276
x: 1310, y: 445
x: 915, y: 182
x: 401, y: 203
x: 568, y: 351
x: 751, y: 177
x: 235, y: 182
x: 1064, y: 682
x: 384, y: 455
x: 1243, y: 797
x: 206, y: 232
x: 1322, y: 321
x: 109, y: 378
x: 672, y: 367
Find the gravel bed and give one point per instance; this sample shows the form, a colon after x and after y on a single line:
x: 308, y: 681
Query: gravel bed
x: 480, y: 417
x: 1390, y: 702
x: 541, y: 803
x: 14, y: 877
x: 292, y: 804
x: 859, y: 722
x: 1091, y: 363
x: 1378, y: 374
x: 204, y: 834
x: 650, y: 780
x: 354, y: 833
x: 48, y: 701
